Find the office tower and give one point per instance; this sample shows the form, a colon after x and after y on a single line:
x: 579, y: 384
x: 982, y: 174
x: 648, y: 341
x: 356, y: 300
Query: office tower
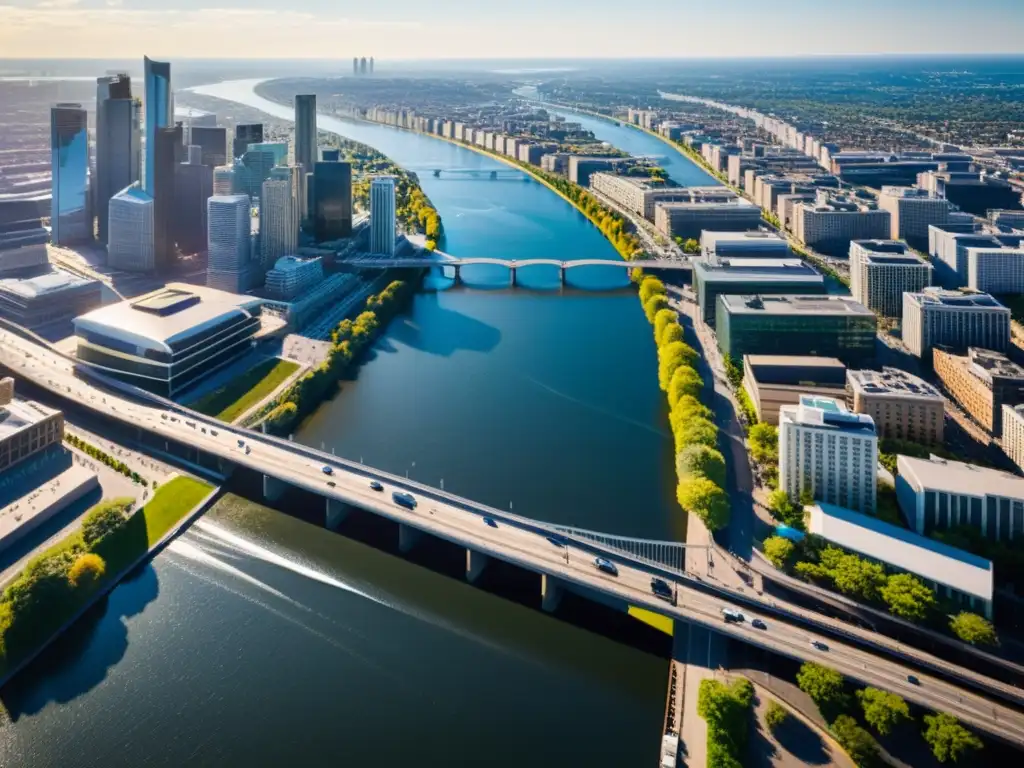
x: 308, y: 211
x: 193, y: 186
x: 166, y: 156
x: 228, y: 242
x: 279, y: 220
x: 331, y: 155
x: 911, y: 211
x: 982, y: 382
x: 118, y: 143
x: 254, y: 167
x: 159, y: 113
x: 713, y: 277
x: 224, y: 180
x: 362, y: 66
x: 382, y: 215
x: 332, y: 184
x: 213, y: 141
x: 371, y: 65
x: 952, y: 319
x: 69, y: 167
x: 130, y: 230
x: 828, y: 452
x: 881, y: 271
x: 246, y: 134
x: 903, y: 406
x: 355, y: 65
x: 296, y: 178
x: 305, y: 131
x: 832, y: 221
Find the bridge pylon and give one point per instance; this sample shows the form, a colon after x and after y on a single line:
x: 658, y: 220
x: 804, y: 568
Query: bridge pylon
x: 512, y: 280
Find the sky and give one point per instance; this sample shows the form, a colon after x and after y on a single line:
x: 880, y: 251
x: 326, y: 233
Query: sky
x: 472, y: 29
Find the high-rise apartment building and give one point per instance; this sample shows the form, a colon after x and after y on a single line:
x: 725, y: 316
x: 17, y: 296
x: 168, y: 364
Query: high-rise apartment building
x: 911, y: 211
x: 997, y: 269
x: 130, y: 230
x: 167, y: 153
x: 159, y: 114
x: 305, y: 131
x: 881, y: 271
x: 938, y: 318
x: 69, y: 167
x: 382, y: 215
x: 193, y: 186
x: 295, y: 175
x: 246, y: 134
x: 829, y: 453
x: 332, y: 184
x: 228, y: 243
x: 279, y: 226
x: 118, y: 144
x: 213, y: 141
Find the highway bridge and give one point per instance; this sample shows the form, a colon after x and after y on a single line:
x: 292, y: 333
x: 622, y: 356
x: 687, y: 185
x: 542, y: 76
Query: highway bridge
x: 476, y: 173
x: 563, y: 557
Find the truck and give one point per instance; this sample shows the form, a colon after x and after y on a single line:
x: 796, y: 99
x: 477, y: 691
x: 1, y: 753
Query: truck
x: 403, y: 499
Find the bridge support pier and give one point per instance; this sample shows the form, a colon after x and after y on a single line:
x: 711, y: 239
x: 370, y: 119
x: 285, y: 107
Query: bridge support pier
x: 458, y: 274
x: 561, y: 276
x: 475, y: 564
x: 335, y: 513
x: 551, y: 591
x: 407, y: 537
x: 273, y: 488
x: 512, y: 276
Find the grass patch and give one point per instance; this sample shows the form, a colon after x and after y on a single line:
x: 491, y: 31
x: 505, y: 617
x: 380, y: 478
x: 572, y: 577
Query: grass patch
x: 240, y: 394
x: 170, y: 503
x: 656, y: 620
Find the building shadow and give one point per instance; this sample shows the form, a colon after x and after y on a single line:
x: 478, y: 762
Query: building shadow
x: 802, y: 742
x: 450, y: 331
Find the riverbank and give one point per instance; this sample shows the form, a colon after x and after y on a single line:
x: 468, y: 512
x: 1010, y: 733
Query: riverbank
x: 56, y: 588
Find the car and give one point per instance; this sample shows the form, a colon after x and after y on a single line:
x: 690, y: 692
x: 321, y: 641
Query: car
x: 556, y: 541
x: 375, y: 486
x: 214, y: 432
x: 732, y: 615
x: 241, y: 443
x: 490, y: 521
x: 402, y: 499
x: 818, y: 645
x: 912, y: 679
x: 758, y: 624
x: 661, y: 589
x: 327, y: 470
x: 331, y: 483
x: 606, y: 566
x: 248, y: 450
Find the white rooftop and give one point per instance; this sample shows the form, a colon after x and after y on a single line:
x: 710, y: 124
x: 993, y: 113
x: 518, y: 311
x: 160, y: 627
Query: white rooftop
x: 21, y: 414
x: 948, y: 476
x: 54, y: 281
x: 903, y: 549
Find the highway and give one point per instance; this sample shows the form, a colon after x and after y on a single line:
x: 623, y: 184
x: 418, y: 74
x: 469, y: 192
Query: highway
x: 520, y: 541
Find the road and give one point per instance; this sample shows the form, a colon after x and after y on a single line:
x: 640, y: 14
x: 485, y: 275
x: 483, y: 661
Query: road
x: 521, y: 542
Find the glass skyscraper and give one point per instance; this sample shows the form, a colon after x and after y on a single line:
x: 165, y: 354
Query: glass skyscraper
x: 159, y: 112
x: 118, y: 125
x: 69, y: 146
x: 332, y: 190
x: 305, y: 131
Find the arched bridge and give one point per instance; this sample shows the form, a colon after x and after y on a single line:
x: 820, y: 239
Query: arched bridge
x: 476, y: 173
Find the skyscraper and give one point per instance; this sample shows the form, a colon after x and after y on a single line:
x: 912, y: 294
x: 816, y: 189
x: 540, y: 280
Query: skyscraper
x: 69, y: 160
x: 362, y: 66
x: 214, y: 143
x: 193, y: 186
x: 382, y: 215
x: 228, y: 242
x: 224, y: 180
x: 159, y: 112
x: 371, y: 65
x: 296, y: 178
x: 332, y: 185
x: 167, y: 151
x: 118, y: 143
x: 331, y: 155
x: 305, y: 131
x: 130, y: 229
x: 355, y: 65
x: 246, y: 134
x: 279, y: 231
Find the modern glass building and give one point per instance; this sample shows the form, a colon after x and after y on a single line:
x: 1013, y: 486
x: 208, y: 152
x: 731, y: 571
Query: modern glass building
x: 228, y: 242
x: 69, y: 146
x: 305, y: 131
x: 193, y: 186
x: 167, y: 340
x: 213, y: 140
x: 713, y: 277
x: 382, y: 215
x: 118, y: 144
x: 48, y: 297
x: 168, y: 150
x: 130, y: 246
x: 159, y: 113
x: 332, y: 190
x: 246, y: 134
x: 825, y: 326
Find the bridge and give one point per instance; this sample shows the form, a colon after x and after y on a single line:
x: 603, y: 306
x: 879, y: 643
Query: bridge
x: 476, y: 173
x: 563, y: 557
x: 514, y: 265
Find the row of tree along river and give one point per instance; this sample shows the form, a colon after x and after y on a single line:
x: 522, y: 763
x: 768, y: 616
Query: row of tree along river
x: 257, y: 639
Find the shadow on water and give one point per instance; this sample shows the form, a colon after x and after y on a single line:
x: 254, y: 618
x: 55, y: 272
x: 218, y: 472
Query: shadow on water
x: 462, y: 332
x: 79, y: 659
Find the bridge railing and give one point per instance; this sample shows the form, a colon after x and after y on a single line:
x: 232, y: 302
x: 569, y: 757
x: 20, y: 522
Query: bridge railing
x: 665, y: 555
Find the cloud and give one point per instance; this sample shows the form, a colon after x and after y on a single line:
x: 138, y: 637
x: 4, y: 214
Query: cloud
x: 57, y: 3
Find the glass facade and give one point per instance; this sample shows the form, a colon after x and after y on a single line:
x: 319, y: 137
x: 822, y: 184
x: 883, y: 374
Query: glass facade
x: 305, y: 131
x: 159, y: 111
x: 332, y: 192
x: 69, y: 146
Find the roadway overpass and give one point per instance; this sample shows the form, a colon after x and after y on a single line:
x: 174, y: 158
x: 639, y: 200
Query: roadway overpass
x: 565, y: 564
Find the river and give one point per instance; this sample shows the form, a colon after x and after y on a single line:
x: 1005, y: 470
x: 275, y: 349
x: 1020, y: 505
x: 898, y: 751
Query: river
x: 257, y: 639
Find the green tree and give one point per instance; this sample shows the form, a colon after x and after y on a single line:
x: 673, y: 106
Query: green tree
x: 663, y: 320
x: 649, y: 287
x: 672, y: 334
x: 688, y: 407
x: 670, y: 357
x: 973, y: 629
x: 782, y: 507
x: 653, y: 305
x: 701, y: 461
x: 856, y: 742
x: 859, y: 577
x: 823, y: 684
x: 102, y: 519
x: 775, y: 716
x: 907, y: 597
x: 87, y: 570
x: 691, y: 246
x: 764, y: 443
x: 726, y: 710
x: 696, y: 430
x: 883, y: 711
x: 704, y: 499
x: 685, y: 381
x: 948, y: 740
x: 779, y: 550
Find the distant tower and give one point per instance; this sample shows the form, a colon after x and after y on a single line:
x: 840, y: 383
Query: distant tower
x: 371, y: 65
x: 118, y: 143
x: 159, y: 113
x: 362, y: 66
x: 382, y: 215
x: 305, y: 131
x: 355, y: 65
x: 69, y: 173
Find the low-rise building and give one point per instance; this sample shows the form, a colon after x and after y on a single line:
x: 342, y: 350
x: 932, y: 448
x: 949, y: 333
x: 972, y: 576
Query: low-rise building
x: 773, y: 381
x: 881, y: 271
x: 26, y: 427
x: 953, y: 573
x: 713, y: 277
x: 832, y: 221
x: 688, y: 220
x: 982, y: 381
x: 747, y: 245
x: 1013, y: 433
x: 954, y: 320
x: 636, y: 194
x: 47, y: 297
x: 292, y: 276
x: 912, y: 211
x: 902, y: 405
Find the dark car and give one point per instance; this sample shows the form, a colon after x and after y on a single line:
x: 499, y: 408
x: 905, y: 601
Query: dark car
x: 758, y: 624
x: 376, y: 486
x: 554, y: 540
x: 331, y: 483
x: 912, y: 679
x: 490, y: 521
x: 606, y: 566
x: 661, y: 589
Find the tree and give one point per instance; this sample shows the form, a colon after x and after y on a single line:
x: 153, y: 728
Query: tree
x: 706, y: 500
x: 691, y: 246
x: 102, y: 519
x: 775, y: 716
x: 663, y: 320
x: 973, y: 629
x: 688, y: 407
x: 670, y: 357
x: 782, y: 507
x: 685, y: 381
x: 823, y: 684
x: 779, y: 550
x: 764, y: 443
x: 856, y: 742
x: 948, y: 739
x: 907, y: 597
x: 883, y: 711
x: 654, y: 305
x: 673, y: 333
x: 859, y: 577
x: 701, y: 461
x: 696, y: 430
x: 87, y: 570
x: 649, y: 287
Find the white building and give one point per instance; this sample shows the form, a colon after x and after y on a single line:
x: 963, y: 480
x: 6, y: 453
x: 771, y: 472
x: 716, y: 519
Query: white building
x: 881, y: 271
x: 279, y: 221
x: 130, y: 230
x: 292, y: 276
x: 831, y: 221
x: 829, y: 452
x: 224, y: 180
x: 995, y: 270
x: 228, y: 242
x: 936, y: 317
x: 1013, y: 433
x: 382, y: 215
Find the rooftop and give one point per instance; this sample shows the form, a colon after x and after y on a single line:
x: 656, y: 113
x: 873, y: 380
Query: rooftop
x: 987, y: 363
x: 939, y: 297
x: 766, y: 270
x: 892, y: 381
x: 134, y: 193
x: 956, y: 477
x: 795, y: 361
x: 888, y: 247
x: 892, y: 191
x: 825, y: 413
x: 903, y: 549
x: 46, y: 284
x: 292, y: 263
x: 794, y: 305
x: 21, y: 414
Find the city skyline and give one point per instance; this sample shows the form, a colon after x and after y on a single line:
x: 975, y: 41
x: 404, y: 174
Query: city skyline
x: 307, y: 30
